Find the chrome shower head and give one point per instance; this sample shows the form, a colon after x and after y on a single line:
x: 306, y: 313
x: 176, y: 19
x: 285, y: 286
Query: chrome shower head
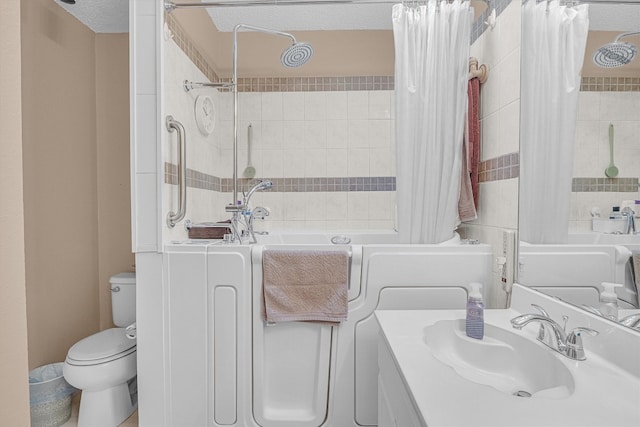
x: 616, y: 54
x: 296, y: 55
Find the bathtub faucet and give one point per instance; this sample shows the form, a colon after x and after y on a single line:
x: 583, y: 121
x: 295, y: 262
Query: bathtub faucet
x: 242, y: 214
x: 262, y: 185
x: 630, y: 228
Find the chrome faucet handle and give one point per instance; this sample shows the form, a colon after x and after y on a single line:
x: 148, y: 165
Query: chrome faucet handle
x: 631, y: 321
x: 575, y: 349
x: 542, y: 331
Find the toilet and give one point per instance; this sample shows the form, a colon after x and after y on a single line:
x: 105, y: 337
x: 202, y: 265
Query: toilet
x: 103, y: 365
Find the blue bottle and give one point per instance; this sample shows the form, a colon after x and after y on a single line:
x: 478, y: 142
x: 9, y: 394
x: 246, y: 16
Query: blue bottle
x: 475, y: 312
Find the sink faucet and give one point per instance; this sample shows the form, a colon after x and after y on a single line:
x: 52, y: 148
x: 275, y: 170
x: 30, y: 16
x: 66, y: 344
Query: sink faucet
x: 627, y: 212
x: 569, y: 345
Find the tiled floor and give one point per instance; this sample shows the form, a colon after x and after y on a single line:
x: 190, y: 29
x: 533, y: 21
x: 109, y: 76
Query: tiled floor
x: 132, y: 421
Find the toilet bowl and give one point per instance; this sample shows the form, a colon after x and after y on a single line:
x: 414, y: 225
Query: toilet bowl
x: 103, y: 365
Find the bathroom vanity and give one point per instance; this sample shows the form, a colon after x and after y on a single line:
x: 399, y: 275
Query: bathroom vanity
x: 432, y: 375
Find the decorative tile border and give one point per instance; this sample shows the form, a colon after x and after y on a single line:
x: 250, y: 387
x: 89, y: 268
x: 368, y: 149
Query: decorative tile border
x: 205, y: 181
x: 592, y: 185
x: 183, y: 41
x: 610, y: 84
x: 314, y: 84
x: 504, y: 167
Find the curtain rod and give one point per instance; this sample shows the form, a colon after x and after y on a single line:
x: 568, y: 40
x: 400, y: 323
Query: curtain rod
x: 170, y: 6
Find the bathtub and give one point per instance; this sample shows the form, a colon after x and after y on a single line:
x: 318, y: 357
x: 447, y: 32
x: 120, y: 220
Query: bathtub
x: 574, y: 271
x: 226, y: 367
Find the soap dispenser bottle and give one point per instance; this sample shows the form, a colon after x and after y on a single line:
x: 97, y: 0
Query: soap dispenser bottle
x: 609, y: 300
x: 475, y: 312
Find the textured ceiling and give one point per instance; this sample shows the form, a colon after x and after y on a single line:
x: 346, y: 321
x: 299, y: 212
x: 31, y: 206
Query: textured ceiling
x: 112, y: 16
x: 101, y: 16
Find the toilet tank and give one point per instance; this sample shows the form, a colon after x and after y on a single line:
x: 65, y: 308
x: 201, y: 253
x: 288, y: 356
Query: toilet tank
x: 123, y: 298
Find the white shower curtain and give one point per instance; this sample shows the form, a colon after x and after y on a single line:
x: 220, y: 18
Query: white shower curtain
x: 553, y: 46
x: 431, y: 68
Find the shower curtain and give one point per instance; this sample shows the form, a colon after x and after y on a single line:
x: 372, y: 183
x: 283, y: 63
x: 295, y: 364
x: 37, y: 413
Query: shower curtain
x: 553, y: 46
x: 432, y: 59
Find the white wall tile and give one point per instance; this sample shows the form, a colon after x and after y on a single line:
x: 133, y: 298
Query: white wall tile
x: 315, y: 163
x: 358, y: 162
x: 272, y: 106
x: 272, y: 134
x: 380, y: 104
x: 359, y: 133
x: 337, y: 133
x: 357, y: 105
x: 336, y: 105
x: 315, y: 134
x: 315, y: 106
x: 337, y: 162
x: 293, y: 105
x: 293, y: 134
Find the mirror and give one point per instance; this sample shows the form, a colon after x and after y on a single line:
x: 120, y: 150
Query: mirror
x: 573, y: 267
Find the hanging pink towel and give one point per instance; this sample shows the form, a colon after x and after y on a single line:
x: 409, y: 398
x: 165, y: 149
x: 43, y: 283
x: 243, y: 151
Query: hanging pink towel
x: 305, y: 285
x: 469, y: 182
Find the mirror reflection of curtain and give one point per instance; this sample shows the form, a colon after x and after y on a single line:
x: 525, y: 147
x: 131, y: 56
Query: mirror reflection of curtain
x: 553, y: 46
x: 431, y: 75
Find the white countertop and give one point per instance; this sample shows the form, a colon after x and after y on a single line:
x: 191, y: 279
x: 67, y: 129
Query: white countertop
x: 604, y: 395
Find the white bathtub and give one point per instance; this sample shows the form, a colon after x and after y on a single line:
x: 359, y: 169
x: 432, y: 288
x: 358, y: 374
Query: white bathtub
x: 226, y: 368
x: 575, y: 271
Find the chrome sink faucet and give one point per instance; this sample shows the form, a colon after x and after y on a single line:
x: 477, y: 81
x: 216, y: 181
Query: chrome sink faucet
x: 569, y: 345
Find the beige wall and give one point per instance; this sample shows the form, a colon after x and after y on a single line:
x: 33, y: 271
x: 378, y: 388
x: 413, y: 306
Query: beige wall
x: 14, y: 393
x: 75, y: 103
x: 113, y: 181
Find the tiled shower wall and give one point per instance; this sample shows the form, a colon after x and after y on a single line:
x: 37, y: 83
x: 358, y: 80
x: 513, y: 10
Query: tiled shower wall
x: 330, y: 153
x: 600, y: 103
x: 499, y: 48
x: 327, y: 143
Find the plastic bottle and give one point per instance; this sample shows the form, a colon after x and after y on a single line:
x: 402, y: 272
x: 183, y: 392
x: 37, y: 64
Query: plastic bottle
x: 609, y: 300
x: 475, y: 312
x: 615, y: 213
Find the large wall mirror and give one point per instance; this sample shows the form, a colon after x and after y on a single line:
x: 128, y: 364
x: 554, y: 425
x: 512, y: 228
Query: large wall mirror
x: 588, y: 174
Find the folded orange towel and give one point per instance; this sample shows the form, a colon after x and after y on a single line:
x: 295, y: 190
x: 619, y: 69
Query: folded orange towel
x: 305, y: 285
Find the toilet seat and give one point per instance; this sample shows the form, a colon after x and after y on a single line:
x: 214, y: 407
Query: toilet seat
x: 102, y: 347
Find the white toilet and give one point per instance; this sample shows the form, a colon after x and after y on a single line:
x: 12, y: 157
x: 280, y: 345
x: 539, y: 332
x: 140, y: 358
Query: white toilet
x: 103, y: 365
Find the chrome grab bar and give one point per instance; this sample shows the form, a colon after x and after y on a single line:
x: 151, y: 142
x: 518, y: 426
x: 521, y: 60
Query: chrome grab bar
x: 175, y: 217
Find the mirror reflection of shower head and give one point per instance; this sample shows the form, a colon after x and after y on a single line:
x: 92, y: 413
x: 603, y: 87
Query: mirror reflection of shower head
x: 616, y: 54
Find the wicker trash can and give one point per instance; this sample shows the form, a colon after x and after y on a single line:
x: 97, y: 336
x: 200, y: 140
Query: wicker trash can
x: 49, y: 396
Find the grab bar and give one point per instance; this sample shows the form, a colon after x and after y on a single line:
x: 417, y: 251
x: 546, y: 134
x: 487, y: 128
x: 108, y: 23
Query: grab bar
x: 174, y: 217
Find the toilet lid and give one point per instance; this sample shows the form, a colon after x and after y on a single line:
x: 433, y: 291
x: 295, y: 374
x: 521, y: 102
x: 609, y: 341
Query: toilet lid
x: 104, y: 344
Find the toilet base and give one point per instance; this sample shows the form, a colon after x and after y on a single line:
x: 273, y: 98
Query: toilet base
x: 107, y: 408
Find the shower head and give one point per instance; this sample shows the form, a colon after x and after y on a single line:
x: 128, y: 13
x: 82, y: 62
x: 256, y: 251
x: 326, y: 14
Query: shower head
x: 68, y: 1
x: 296, y: 55
x: 616, y: 54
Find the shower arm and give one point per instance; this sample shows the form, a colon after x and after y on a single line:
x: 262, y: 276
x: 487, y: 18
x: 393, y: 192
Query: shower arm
x: 633, y: 33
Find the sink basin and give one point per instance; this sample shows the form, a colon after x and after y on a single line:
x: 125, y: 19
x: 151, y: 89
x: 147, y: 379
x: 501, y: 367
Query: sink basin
x: 504, y: 360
